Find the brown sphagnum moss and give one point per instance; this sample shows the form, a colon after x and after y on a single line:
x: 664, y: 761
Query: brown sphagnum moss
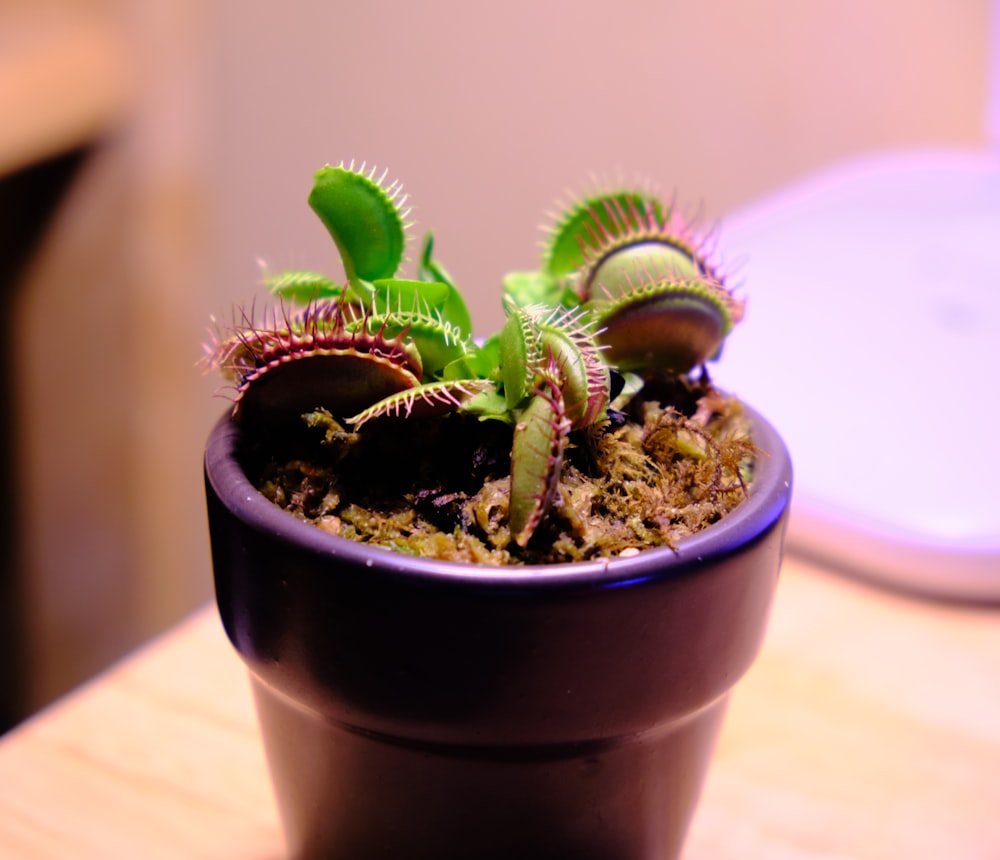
x: 587, y: 427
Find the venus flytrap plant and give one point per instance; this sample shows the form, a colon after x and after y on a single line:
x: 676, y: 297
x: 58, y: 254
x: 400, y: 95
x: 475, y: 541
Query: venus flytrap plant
x: 646, y: 277
x: 347, y: 346
x: 626, y: 292
x: 554, y: 381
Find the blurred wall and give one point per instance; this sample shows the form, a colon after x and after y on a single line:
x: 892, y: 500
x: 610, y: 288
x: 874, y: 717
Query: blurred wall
x: 487, y: 113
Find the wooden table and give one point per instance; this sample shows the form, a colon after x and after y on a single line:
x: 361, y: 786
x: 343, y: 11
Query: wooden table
x: 869, y: 728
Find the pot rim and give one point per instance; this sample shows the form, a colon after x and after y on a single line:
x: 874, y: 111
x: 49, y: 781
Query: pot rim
x: 770, y: 495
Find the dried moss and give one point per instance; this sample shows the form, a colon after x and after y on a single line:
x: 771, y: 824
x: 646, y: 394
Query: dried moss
x: 677, y: 461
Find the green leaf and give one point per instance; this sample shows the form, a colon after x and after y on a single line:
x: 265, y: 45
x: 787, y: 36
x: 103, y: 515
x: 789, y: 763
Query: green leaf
x: 363, y: 220
x: 489, y: 405
x: 532, y: 288
x: 423, y: 401
x: 536, y: 463
x: 454, y: 307
x: 520, y: 356
x: 669, y: 325
x: 588, y: 222
x: 457, y: 313
x: 481, y: 361
x: 300, y: 288
x: 583, y: 376
x: 405, y: 295
x: 429, y: 269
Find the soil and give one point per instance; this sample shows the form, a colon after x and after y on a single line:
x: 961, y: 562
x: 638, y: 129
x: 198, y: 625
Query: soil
x: 676, y: 460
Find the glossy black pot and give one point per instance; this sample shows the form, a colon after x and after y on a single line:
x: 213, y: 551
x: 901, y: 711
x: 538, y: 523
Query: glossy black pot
x: 420, y: 709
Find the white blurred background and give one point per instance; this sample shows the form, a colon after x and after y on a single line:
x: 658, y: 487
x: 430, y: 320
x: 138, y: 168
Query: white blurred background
x: 202, y: 122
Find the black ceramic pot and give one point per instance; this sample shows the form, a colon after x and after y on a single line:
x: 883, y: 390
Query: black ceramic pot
x: 420, y: 709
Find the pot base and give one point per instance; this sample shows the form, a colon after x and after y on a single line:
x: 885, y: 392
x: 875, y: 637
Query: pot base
x: 347, y: 794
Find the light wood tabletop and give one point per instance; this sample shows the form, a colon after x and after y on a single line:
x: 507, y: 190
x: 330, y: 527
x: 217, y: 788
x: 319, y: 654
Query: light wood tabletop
x: 868, y: 729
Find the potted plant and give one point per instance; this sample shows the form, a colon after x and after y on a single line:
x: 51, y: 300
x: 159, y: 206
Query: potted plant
x: 493, y: 594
